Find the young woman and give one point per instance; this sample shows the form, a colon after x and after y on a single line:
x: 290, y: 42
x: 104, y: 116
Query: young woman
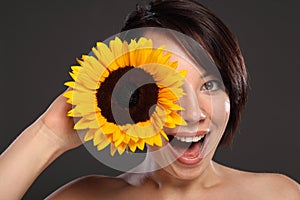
x: 212, y: 111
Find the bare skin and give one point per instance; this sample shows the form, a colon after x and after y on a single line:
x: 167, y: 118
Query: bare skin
x: 231, y: 184
x: 35, y: 148
x: 14, y: 162
x: 52, y: 135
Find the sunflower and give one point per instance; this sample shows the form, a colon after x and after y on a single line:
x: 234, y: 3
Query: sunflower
x: 124, y: 94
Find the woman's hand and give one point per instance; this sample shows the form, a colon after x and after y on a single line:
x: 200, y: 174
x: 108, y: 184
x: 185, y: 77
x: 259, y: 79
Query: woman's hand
x: 59, y: 125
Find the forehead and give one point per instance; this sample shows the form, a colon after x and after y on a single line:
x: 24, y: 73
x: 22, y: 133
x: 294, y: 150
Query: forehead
x: 179, y: 52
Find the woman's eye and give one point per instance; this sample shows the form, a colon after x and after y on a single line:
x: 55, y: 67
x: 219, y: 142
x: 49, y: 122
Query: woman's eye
x: 212, y: 85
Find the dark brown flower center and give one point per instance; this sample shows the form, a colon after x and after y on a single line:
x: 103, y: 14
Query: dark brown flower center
x: 127, y: 96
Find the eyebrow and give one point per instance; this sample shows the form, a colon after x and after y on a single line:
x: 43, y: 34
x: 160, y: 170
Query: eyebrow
x: 205, y: 74
x: 215, y: 73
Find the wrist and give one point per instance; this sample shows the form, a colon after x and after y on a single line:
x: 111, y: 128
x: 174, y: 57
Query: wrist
x: 45, y: 141
x: 25, y: 159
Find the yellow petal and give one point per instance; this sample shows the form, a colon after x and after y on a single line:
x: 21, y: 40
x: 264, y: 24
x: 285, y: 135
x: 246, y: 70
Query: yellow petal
x: 99, y: 137
x: 68, y: 94
x: 155, y: 140
x: 116, y: 47
x: 105, y: 55
x: 141, y: 144
x: 132, y: 146
x: 95, y: 69
x: 116, y: 135
x: 127, y: 138
x: 121, y: 149
x: 178, y: 119
x: 162, y: 132
x: 74, y: 113
x: 102, y: 144
x: 90, y: 134
x: 96, y: 52
x: 84, y: 79
x: 70, y: 84
x: 169, y: 125
x: 113, y: 149
x: 108, y: 128
x: 85, y: 109
x: 120, y: 139
x: 83, y: 123
x: 76, y: 68
x: 84, y: 98
x: 183, y: 72
x: 101, y: 120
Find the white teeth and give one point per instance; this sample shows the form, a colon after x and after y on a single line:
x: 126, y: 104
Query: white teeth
x: 189, y: 139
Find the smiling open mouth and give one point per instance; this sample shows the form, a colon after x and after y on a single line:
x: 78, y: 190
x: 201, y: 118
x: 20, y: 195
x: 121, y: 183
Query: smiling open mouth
x: 188, y: 149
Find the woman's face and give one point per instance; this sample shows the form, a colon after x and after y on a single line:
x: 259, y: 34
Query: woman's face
x: 206, y: 112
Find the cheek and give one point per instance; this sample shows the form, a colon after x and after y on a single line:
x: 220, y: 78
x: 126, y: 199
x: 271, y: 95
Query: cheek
x: 220, y: 111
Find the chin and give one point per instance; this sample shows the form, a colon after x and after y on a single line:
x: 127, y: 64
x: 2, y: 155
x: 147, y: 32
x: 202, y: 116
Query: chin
x: 184, y: 172
x: 187, y: 158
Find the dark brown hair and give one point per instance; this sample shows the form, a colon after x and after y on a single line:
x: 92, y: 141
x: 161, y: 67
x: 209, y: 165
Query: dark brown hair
x: 193, y: 19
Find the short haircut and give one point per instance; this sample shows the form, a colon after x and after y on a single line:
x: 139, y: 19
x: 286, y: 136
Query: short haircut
x: 195, y: 20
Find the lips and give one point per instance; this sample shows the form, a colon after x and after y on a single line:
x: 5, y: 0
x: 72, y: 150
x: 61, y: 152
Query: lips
x: 189, y: 148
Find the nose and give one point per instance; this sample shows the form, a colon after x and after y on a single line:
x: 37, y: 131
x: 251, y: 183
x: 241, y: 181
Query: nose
x: 192, y: 112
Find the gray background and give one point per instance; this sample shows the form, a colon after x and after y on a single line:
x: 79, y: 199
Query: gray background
x: 40, y: 40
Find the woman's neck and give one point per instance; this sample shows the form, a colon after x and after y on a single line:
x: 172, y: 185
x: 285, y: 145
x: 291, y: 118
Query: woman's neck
x: 205, y: 176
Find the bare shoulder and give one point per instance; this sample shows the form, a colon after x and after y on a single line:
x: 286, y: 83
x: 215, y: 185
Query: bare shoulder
x: 89, y: 187
x: 278, y: 186
x: 262, y: 185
